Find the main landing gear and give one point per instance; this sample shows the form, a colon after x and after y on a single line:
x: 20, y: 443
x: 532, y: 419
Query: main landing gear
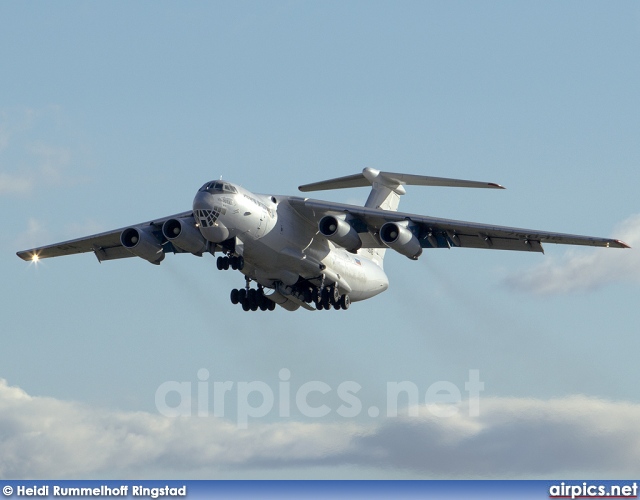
x: 235, y: 262
x: 251, y: 299
x: 329, y: 296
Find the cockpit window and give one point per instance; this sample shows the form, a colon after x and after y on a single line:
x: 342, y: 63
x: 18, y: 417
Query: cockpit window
x: 218, y: 187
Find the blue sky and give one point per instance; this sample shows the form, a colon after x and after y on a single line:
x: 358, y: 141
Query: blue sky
x: 113, y: 114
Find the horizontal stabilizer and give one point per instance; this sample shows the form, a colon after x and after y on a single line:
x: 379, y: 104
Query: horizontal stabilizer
x: 369, y: 176
x: 349, y: 181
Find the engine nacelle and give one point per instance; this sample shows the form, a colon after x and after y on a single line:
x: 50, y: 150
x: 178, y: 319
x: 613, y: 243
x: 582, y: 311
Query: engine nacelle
x: 397, y: 236
x: 141, y: 242
x: 340, y: 232
x: 184, y: 235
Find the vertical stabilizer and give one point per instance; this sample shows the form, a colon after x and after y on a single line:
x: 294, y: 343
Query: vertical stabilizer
x: 385, y: 195
x: 385, y: 192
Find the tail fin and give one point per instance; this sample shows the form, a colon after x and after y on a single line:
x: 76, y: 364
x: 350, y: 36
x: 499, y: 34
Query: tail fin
x: 386, y: 189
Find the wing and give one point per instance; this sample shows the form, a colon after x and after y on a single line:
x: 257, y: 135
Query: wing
x: 433, y: 232
x: 106, y: 246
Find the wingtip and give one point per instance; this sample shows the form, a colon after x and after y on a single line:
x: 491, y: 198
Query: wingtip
x: 496, y: 186
x: 25, y: 255
x: 622, y: 244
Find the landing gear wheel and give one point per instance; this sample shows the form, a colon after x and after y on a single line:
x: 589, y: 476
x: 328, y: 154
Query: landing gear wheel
x: 308, y: 295
x: 345, y: 302
x: 235, y: 296
x: 252, y: 298
x: 326, y: 302
x: 240, y: 263
x: 246, y: 306
x: 334, y: 293
x: 220, y: 263
x: 272, y: 305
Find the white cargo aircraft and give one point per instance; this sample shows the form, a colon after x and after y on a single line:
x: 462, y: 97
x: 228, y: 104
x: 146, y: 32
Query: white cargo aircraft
x: 307, y: 253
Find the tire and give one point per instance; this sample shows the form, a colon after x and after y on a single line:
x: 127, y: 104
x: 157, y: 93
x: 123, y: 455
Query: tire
x: 220, y: 263
x: 334, y: 293
x: 272, y: 305
x: 345, y: 302
x: 326, y: 302
x: 252, y: 298
x: 246, y: 306
x: 308, y: 295
x: 242, y: 295
x: 235, y: 296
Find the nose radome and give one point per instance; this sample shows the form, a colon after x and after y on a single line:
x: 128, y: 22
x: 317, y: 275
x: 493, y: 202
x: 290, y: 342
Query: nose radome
x: 203, y: 200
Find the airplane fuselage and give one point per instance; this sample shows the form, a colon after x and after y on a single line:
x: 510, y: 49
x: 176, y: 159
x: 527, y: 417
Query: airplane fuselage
x: 278, y: 246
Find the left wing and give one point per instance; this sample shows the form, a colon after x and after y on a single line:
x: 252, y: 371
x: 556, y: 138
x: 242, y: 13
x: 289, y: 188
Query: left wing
x: 106, y: 246
x: 432, y: 232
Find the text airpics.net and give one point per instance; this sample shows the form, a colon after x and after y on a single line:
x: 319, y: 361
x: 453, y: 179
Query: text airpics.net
x: 257, y: 399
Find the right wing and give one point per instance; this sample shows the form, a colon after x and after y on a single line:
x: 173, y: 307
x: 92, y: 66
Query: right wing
x: 433, y: 232
x: 106, y: 246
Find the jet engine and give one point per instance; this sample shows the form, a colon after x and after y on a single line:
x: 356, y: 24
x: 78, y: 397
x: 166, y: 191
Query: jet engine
x: 141, y: 242
x: 184, y: 235
x: 340, y: 232
x: 397, y: 236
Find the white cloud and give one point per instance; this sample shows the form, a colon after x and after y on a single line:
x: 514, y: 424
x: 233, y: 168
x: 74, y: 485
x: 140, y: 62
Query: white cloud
x: 512, y: 438
x: 45, y: 437
x: 584, y: 270
x: 11, y: 183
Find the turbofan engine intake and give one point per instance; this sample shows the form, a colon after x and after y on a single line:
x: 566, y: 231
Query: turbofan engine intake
x: 184, y: 235
x: 398, y: 237
x: 340, y: 232
x: 141, y: 242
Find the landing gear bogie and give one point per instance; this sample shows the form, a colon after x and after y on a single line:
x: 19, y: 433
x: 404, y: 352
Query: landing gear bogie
x: 327, y: 299
x: 251, y: 299
x: 235, y: 262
